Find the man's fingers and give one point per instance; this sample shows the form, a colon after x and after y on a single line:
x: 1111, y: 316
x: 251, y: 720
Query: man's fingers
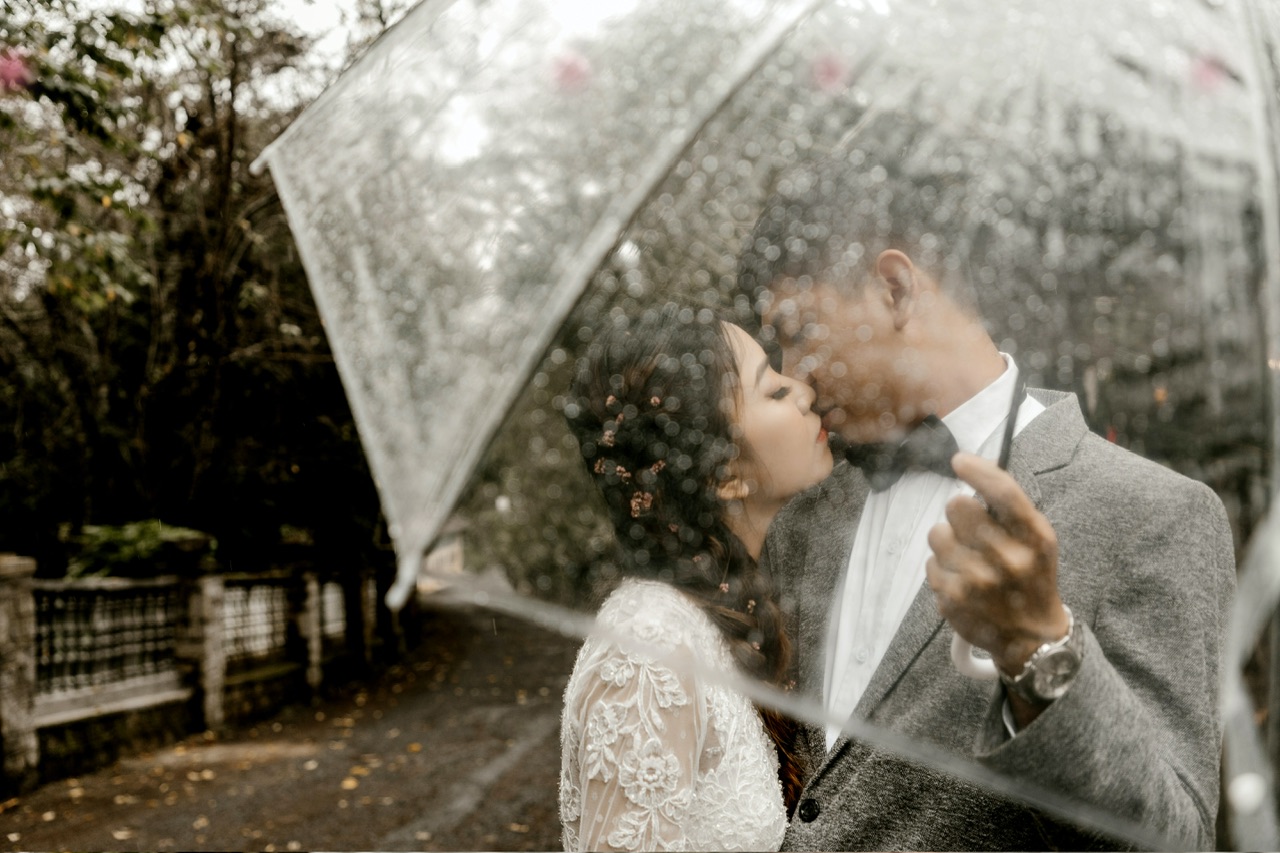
x: 973, y: 525
x: 953, y: 556
x: 955, y: 584
x: 942, y: 539
x: 1007, y: 502
x: 939, y: 579
x: 996, y: 486
x: 975, y: 529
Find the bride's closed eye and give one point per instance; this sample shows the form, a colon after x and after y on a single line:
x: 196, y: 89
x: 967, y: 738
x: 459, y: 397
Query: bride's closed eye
x: 781, y: 392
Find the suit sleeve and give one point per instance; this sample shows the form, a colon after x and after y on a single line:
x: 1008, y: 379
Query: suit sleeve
x: 1138, y: 733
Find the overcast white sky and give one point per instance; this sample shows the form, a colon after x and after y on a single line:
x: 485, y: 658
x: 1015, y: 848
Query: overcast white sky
x: 322, y: 18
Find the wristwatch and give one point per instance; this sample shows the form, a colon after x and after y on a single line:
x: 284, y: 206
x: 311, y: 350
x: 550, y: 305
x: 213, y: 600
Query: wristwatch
x: 1051, y: 668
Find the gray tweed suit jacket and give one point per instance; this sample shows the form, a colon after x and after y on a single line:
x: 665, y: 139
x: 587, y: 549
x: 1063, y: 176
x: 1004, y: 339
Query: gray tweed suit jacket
x: 1145, y: 563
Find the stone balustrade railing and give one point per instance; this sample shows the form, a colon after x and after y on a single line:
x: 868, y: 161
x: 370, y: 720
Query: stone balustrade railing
x: 75, y: 650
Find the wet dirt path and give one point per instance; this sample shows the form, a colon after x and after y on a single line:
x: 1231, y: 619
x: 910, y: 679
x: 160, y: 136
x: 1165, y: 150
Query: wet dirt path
x: 455, y: 749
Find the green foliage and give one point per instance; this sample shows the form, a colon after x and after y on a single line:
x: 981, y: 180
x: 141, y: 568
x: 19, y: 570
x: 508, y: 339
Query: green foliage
x: 160, y: 353
x: 139, y: 548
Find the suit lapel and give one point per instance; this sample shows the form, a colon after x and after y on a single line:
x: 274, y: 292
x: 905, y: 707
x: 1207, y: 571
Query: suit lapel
x: 837, y: 516
x: 918, y: 627
x: 1049, y: 441
x: 823, y: 576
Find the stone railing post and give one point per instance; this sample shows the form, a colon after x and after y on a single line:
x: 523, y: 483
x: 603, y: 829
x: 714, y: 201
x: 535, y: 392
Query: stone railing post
x: 18, y: 673
x: 312, y: 633
x: 213, y: 650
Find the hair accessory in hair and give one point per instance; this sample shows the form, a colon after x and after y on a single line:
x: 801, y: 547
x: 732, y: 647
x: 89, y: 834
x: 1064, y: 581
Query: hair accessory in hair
x: 609, y: 436
x: 724, y: 587
x: 602, y: 467
x: 756, y: 645
x: 640, y: 503
x: 655, y: 401
x: 751, y: 605
x: 658, y: 466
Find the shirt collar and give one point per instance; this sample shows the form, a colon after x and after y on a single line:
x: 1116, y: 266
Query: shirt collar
x: 975, y: 420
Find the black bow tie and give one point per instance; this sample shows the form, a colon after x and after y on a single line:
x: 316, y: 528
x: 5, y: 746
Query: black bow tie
x: 928, y: 447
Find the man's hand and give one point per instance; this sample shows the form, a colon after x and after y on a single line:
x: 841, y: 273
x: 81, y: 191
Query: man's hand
x: 995, y: 572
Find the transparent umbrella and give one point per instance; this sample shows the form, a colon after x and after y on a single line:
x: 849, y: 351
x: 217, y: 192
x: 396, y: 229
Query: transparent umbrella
x: 495, y: 182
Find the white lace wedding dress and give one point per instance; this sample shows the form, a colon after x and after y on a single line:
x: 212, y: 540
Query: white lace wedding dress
x: 653, y: 757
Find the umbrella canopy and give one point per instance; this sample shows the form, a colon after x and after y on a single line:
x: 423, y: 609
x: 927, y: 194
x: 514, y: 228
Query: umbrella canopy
x: 500, y: 148
x: 496, y: 180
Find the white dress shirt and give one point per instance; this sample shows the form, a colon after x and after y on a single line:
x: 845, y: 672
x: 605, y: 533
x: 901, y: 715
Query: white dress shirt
x: 890, y: 548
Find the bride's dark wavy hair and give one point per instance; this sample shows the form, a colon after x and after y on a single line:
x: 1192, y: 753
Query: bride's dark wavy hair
x: 653, y: 407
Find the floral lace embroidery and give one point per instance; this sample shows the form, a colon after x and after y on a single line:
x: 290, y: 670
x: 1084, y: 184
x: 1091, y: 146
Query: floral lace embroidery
x: 603, y: 728
x: 652, y: 758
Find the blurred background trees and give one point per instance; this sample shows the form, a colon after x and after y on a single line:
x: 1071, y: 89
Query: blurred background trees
x: 160, y: 355
x: 161, y: 359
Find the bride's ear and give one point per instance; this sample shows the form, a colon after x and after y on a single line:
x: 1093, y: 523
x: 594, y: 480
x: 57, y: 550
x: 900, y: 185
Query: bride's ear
x: 733, y: 489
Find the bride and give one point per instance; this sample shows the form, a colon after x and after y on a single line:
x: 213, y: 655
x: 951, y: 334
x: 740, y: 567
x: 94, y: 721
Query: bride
x: 695, y: 444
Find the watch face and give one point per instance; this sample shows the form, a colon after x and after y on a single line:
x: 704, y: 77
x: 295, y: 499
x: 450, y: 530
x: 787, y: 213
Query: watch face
x: 1055, y: 672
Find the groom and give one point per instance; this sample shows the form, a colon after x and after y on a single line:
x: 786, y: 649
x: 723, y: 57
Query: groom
x: 1098, y: 581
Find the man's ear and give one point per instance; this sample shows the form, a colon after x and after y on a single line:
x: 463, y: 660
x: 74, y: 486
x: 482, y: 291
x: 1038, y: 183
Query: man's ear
x: 897, y: 271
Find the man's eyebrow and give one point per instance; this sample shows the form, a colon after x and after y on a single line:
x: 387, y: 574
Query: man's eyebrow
x: 784, y: 336
x: 773, y: 352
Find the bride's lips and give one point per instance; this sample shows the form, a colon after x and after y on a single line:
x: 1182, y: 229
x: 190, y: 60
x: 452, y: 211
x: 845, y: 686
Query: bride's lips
x: 824, y: 428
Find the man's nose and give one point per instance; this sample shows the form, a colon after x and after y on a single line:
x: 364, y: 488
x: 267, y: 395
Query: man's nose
x: 804, y: 365
x: 806, y: 395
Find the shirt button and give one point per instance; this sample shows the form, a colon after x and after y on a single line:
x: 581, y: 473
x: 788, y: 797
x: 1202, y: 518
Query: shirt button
x: 861, y: 654
x: 808, y: 810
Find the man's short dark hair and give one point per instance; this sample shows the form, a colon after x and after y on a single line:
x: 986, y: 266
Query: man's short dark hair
x: 897, y: 183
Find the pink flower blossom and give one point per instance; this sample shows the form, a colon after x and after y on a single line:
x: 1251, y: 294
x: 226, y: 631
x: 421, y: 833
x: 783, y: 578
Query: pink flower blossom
x: 829, y: 73
x: 15, y: 74
x: 1207, y: 74
x: 572, y: 72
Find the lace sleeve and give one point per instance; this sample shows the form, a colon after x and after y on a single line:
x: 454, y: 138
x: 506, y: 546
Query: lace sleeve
x: 635, y: 732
